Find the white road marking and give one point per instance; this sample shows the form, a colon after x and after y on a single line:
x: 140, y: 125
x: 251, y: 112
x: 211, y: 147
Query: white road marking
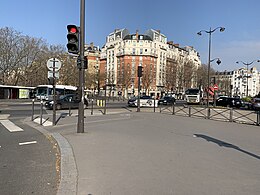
x: 44, y: 122
x: 4, y: 116
x: 10, y: 126
x: 27, y: 143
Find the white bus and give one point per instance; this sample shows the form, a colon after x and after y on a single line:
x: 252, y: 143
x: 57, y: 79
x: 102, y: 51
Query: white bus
x: 43, y: 92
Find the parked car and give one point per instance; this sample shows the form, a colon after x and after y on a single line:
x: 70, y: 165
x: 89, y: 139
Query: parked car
x: 166, y: 100
x: 229, y: 102
x: 145, y: 101
x: 66, y: 102
x: 255, y: 105
x: 131, y: 101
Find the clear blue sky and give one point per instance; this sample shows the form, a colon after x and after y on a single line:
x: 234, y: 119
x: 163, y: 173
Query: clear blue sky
x: 179, y: 20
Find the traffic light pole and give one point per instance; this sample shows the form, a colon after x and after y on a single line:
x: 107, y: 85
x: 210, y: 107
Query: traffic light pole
x: 80, y: 128
x: 138, y: 97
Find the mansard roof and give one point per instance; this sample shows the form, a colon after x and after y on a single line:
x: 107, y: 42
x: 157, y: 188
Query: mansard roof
x: 140, y: 37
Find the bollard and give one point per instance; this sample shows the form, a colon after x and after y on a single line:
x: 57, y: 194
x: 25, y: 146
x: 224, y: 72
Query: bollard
x: 173, y: 109
x: 208, y: 116
x: 231, y: 115
x: 105, y: 105
x: 32, y: 108
x: 258, y: 118
x: 41, y: 112
x: 70, y: 107
x: 189, y: 111
x: 154, y: 105
x: 92, y: 105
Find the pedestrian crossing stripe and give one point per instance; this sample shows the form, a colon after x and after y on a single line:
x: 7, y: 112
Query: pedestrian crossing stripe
x: 45, y: 123
x: 10, y: 126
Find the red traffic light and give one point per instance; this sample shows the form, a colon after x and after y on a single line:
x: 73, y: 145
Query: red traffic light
x: 73, y: 39
x: 72, y: 28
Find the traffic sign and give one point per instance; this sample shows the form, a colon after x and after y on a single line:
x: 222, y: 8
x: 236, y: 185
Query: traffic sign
x: 215, y: 87
x: 54, y: 63
x: 50, y: 75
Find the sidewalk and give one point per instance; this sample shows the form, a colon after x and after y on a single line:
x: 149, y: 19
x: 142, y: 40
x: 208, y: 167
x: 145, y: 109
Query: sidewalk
x: 125, y: 153
x: 67, y: 122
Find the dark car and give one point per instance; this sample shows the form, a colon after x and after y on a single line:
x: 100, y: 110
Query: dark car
x: 131, y: 102
x: 229, y: 102
x: 166, y: 100
x: 66, y: 102
x: 255, y: 105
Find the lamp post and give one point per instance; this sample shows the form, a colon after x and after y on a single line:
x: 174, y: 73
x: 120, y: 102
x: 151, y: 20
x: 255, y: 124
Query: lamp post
x: 210, y: 32
x: 218, y: 62
x: 247, y: 64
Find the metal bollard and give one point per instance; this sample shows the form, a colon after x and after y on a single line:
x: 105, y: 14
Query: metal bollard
x: 258, y: 118
x: 92, y: 106
x: 231, y: 115
x: 32, y: 108
x: 154, y: 105
x: 208, y: 116
x: 173, y: 109
x: 189, y: 111
x: 105, y: 106
x: 41, y: 112
x: 70, y: 107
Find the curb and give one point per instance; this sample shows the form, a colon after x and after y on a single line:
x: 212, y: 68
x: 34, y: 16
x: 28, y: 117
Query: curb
x: 68, y: 168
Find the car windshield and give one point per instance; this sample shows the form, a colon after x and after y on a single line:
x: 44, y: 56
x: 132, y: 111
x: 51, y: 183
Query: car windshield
x: 145, y: 97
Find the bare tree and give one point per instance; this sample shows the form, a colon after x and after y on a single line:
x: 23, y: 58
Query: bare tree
x: 12, y: 52
x: 148, y: 77
x: 171, y: 74
x: 124, y: 76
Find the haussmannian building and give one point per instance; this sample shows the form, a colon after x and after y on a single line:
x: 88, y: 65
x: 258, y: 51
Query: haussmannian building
x: 124, y: 52
x: 234, y: 83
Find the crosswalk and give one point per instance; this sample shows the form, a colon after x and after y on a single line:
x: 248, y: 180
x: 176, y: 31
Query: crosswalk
x: 10, y: 126
x: 13, y: 128
x: 45, y: 122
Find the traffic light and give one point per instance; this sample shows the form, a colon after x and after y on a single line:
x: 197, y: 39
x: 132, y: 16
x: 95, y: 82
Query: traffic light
x: 85, y: 64
x: 140, y: 71
x: 73, y: 39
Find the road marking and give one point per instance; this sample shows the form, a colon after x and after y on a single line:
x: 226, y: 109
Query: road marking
x: 10, y: 126
x: 4, y: 116
x: 27, y: 143
x: 44, y: 122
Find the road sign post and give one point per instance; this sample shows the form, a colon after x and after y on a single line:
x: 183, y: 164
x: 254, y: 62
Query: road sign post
x: 53, y: 65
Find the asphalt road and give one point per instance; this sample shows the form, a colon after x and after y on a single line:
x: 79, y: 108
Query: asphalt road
x: 28, y: 159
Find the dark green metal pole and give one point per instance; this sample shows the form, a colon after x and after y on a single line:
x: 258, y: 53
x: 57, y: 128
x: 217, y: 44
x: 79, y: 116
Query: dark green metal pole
x: 80, y: 128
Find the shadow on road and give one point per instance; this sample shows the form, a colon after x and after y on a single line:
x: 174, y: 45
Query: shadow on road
x: 225, y: 144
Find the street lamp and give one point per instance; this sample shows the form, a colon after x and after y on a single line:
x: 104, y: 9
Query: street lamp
x: 218, y: 62
x: 247, y: 64
x: 221, y: 29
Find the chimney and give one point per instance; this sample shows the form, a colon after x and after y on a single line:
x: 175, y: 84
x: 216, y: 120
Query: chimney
x: 136, y: 34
